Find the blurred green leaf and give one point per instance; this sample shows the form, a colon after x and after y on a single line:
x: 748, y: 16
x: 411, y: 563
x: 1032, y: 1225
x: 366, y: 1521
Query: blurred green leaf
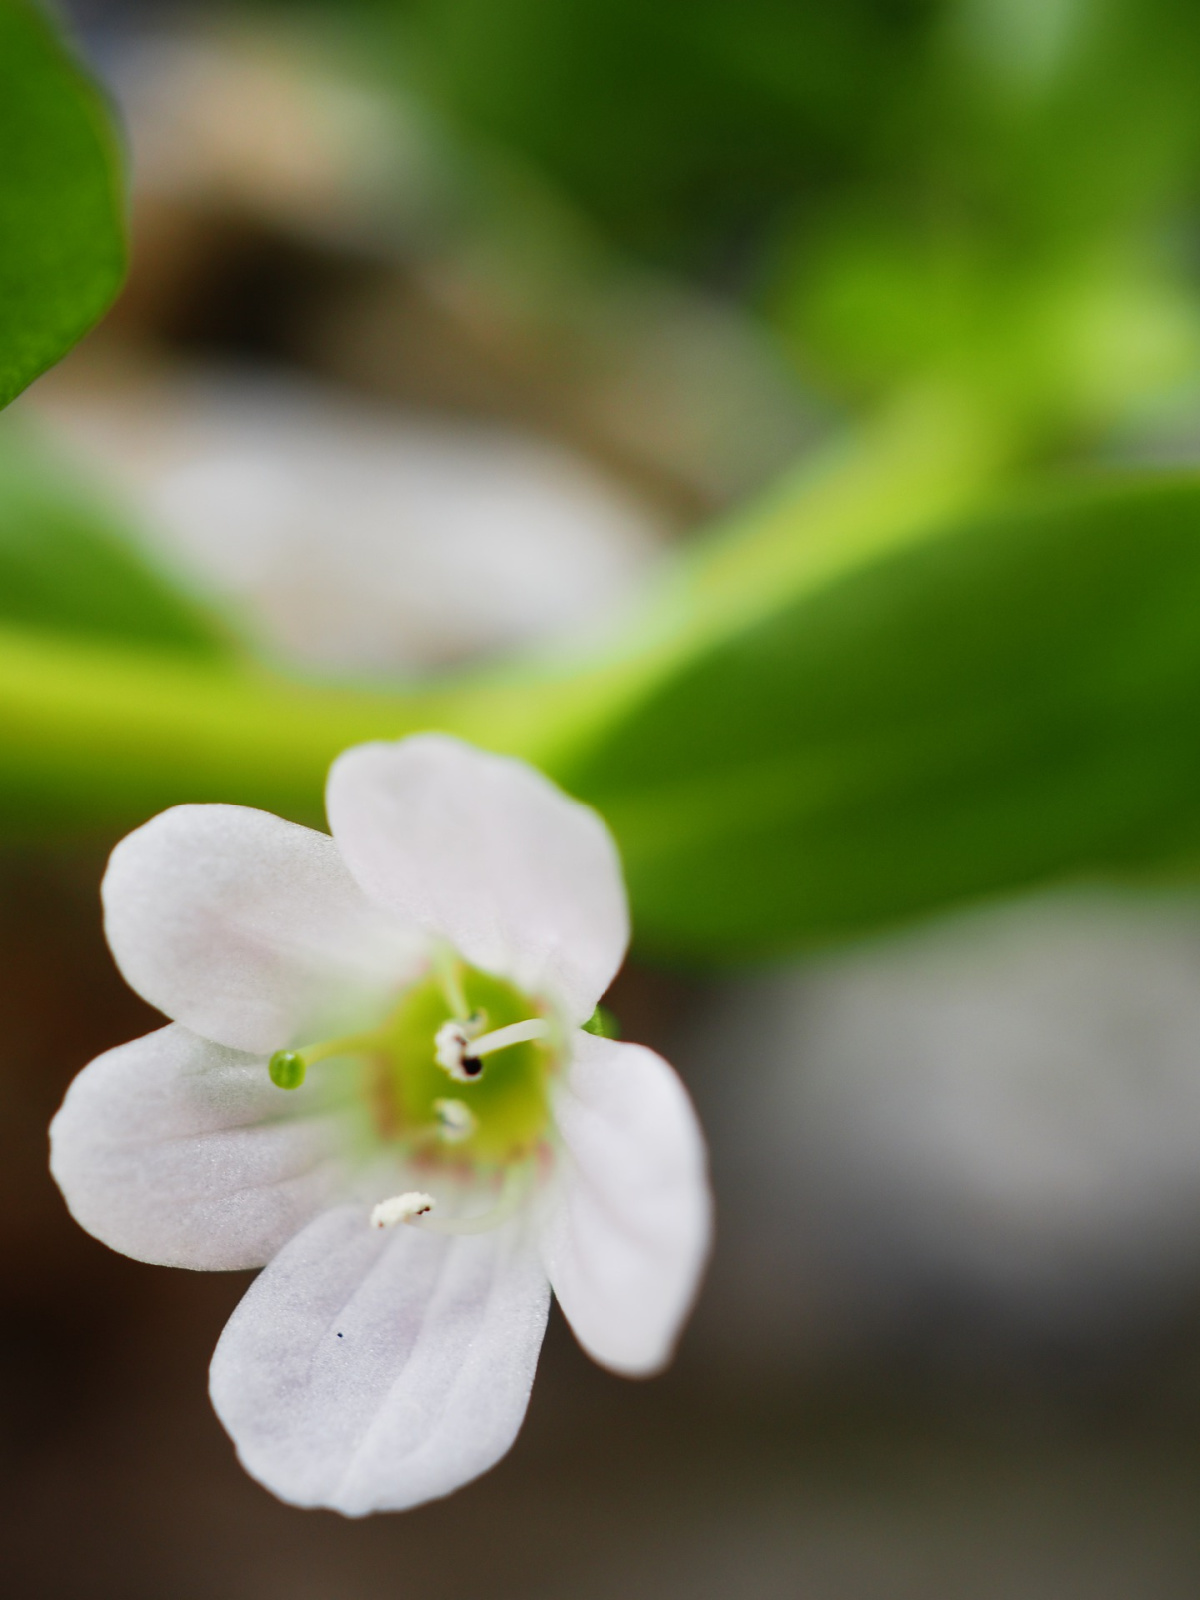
x: 986, y: 187
x: 682, y: 126
x: 62, y: 246
x: 691, y: 127
x: 1018, y: 215
x: 67, y: 565
x: 1016, y: 699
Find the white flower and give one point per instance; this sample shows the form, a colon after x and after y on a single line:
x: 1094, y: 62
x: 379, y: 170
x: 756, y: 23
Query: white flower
x: 456, y: 1145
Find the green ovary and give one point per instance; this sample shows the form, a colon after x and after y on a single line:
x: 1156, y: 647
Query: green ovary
x: 509, y: 1099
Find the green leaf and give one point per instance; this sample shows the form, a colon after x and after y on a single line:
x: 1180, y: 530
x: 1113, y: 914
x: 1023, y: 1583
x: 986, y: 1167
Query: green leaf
x: 97, y: 735
x: 62, y: 245
x: 67, y: 564
x: 1015, y: 700
x: 679, y: 125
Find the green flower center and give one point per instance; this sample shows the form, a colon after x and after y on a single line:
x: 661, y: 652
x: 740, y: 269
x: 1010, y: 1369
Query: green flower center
x: 429, y: 1089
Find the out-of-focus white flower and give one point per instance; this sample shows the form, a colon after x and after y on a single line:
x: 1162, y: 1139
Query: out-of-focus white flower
x: 357, y: 536
x: 412, y: 1217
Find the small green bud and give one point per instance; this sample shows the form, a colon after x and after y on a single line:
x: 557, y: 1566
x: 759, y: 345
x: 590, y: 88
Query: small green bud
x: 287, y: 1069
x: 603, y: 1024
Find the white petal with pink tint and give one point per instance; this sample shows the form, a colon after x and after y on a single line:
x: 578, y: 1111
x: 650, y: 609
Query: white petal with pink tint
x: 486, y: 854
x: 625, y: 1233
x: 370, y: 1370
x: 246, y: 928
x: 175, y: 1150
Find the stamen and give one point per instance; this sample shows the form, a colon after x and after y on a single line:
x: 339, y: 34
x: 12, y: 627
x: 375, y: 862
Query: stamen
x: 453, y: 1047
x: 456, y: 1120
x: 402, y: 1208
x: 515, y: 1033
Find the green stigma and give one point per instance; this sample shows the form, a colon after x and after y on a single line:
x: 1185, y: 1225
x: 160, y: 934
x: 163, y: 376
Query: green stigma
x: 287, y: 1069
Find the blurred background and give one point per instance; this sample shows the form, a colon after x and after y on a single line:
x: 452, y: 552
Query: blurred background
x: 451, y: 326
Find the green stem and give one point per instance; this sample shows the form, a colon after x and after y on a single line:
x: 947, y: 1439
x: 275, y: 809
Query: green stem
x: 107, y: 734
x: 352, y: 1044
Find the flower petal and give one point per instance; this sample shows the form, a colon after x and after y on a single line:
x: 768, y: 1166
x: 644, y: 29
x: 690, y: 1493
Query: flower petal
x: 488, y: 854
x: 246, y: 928
x: 625, y: 1231
x: 177, y: 1151
x: 370, y: 1370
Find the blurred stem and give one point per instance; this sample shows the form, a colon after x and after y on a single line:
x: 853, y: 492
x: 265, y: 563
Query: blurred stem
x: 107, y: 734
x: 897, y: 479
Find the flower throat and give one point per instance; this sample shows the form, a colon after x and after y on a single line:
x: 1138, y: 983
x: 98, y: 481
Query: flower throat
x: 458, y: 1070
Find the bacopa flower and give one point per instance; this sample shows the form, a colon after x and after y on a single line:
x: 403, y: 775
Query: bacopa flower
x: 378, y: 1087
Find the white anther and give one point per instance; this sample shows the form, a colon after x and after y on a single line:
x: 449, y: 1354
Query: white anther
x: 402, y: 1208
x: 456, y: 1120
x: 453, y: 1047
